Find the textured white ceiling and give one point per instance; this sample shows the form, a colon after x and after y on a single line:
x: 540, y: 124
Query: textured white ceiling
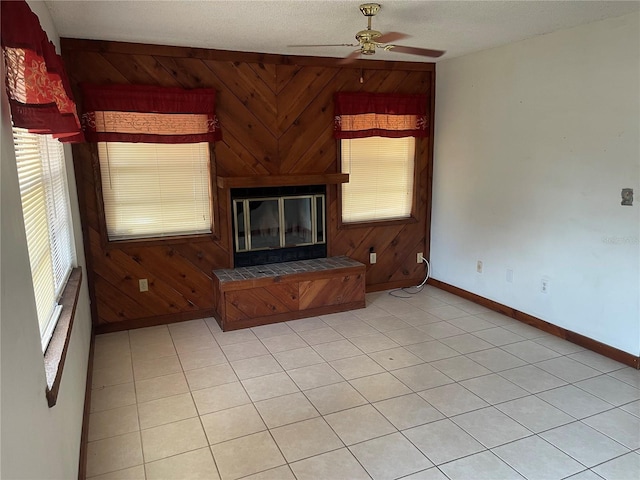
x: 459, y: 27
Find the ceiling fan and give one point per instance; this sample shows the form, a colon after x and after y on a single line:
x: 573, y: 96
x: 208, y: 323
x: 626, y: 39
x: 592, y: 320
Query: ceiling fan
x: 369, y: 40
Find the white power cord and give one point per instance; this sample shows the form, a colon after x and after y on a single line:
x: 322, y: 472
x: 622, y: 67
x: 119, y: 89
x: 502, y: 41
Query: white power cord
x: 418, y: 288
x: 427, y: 275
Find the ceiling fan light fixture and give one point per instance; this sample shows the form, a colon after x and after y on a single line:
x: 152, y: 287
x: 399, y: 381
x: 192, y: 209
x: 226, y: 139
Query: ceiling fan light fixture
x: 368, y: 48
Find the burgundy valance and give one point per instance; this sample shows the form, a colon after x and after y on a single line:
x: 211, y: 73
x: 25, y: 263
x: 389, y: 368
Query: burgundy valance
x: 149, y: 114
x: 37, y: 86
x: 363, y: 114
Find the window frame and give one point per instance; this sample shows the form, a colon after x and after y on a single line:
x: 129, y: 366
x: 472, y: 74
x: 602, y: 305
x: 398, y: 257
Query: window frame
x: 412, y: 218
x: 55, y: 354
x: 51, y: 209
x: 156, y: 241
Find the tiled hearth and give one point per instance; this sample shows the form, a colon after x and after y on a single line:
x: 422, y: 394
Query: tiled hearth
x: 428, y: 387
x: 286, y: 268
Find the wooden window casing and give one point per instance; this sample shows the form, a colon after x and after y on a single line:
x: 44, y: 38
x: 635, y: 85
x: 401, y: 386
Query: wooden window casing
x: 157, y: 240
x: 412, y: 218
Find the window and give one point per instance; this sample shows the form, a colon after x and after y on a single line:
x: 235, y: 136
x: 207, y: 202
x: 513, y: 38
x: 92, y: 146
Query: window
x: 377, y: 133
x: 381, y: 173
x: 153, y: 149
x: 155, y: 190
x: 45, y: 206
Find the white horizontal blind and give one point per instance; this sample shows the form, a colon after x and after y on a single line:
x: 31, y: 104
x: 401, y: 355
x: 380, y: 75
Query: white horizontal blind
x: 381, y: 175
x: 45, y: 208
x: 155, y: 190
x: 60, y: 227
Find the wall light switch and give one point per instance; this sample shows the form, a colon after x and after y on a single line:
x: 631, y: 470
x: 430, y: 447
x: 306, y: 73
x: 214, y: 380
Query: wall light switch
x: 144, y: 284
x: 479, y: 266
x: 372, y: 258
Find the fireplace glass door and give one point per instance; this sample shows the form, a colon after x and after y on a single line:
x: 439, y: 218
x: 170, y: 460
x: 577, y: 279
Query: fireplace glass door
x: 278, y: 222
x: 264, y: 221
x: 298, y: 221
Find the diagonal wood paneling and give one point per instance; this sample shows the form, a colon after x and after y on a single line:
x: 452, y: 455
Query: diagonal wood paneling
x: 300, y: 91
x: 300, y: 134
x: 250, y: 89
x: 261, y: 302
x: 267, y: 72
x: 330, y: 291
x: 145, y: 69
x: 285, y: 74
x: 277, y: 118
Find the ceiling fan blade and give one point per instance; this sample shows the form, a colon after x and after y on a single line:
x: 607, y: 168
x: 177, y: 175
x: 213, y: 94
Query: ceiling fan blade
x: 328, y: 45
x: 391, y: 37
x: 352, y: 57
x: 425, y: 52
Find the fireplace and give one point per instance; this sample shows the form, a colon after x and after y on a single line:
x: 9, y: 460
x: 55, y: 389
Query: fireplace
x: 278, y: 224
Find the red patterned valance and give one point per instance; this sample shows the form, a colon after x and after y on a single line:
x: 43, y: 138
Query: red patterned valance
x: 36, y: 83
x: 149, y: 114
x: 362, y: 114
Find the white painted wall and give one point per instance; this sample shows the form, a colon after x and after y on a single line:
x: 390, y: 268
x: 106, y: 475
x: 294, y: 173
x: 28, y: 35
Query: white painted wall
x: 37, y: 441
x: 533, y: 143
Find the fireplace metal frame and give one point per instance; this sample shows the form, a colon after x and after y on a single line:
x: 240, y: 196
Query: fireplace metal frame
x: 245, y: 251
x: 319, y: 237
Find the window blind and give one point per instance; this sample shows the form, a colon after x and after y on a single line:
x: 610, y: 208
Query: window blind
x: 155, y: 190
x: 381, y: 172
x: 45, y: 208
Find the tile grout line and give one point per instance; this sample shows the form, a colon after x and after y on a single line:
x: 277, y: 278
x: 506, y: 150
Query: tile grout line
x: 204, y: 431
x: 413, y: 392
x: 135, y: 393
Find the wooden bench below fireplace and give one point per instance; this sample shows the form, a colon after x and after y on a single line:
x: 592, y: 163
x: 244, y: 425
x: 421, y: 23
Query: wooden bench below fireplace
x: 263, y: 294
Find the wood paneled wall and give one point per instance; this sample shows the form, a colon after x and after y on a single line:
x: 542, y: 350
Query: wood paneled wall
x: 276, y: 114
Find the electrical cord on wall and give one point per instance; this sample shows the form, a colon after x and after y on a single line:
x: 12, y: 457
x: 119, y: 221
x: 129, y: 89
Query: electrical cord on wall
x: 417, y: 288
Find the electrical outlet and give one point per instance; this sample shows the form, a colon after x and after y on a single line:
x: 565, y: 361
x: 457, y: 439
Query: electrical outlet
x: 372, y: 258
x: 479, y: 266
x: 509, y: 275
x: 545, y: 285
x: 144, y: 284
x: 419, y: 258
x: 627, y: 197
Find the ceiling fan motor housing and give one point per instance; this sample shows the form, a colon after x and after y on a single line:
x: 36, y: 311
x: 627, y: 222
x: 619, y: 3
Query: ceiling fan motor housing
x: 367, y: 36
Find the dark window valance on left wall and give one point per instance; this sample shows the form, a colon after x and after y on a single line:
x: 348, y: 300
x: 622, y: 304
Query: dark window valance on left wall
x: 149, y: 114
x: 37, y: 85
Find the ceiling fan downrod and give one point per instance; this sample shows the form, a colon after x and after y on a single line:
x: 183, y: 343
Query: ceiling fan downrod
x: 367, y: 38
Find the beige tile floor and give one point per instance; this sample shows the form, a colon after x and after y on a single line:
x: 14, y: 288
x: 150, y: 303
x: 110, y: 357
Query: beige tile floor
x: 427, y: 387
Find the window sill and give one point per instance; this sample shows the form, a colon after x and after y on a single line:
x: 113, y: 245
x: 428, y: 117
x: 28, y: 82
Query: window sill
x: 378, y: 223
x: 56, y: 352
x: 159, y: 241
